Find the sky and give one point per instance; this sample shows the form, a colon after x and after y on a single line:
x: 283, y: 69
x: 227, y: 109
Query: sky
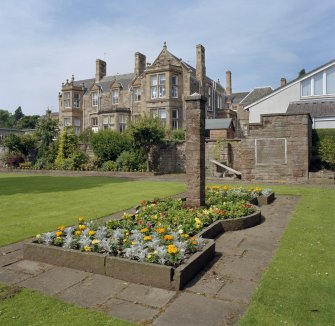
x: 45, y: 42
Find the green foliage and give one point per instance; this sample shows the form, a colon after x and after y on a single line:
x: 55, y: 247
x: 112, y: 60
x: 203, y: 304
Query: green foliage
x: 109, y: 166
x: 27, y: 122
x: 178, y: 134
x: 21, y: 144
x: 69, y: 155
x: 18, y: 114
x: 133, y: 160
x: 217, y: 149
x: 6, y: 119
x: 47, y: 130
x: 107, y: 145
x: 327, y: 150
x: 145, y: 132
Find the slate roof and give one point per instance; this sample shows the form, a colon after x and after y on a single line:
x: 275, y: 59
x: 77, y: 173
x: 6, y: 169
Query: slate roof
x: 236, y: 98
x: 211, y: 124
x: 323, y: 108
x: 256, y: 94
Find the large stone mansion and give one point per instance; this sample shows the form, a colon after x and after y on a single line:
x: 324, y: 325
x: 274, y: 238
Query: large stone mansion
x: 157, y: 89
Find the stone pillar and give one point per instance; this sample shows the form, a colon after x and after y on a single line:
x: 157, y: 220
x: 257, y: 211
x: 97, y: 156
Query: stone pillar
x: 195, y: 150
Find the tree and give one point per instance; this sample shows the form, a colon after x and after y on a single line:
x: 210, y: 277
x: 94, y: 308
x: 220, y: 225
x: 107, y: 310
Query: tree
x: 327, y: 150
x: 302, y: 72
x: 28, y: 122
x: 21, y: 144
x: 6, y: 119
x: 145, y: 133
x: 47, y: 130
x: 107, y: 145
x: 18, y: 114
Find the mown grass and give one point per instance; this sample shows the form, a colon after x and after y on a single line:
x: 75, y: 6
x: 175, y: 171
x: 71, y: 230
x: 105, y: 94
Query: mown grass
x: 34, y: 204
x: 299, y: 286
x: 22, y: 307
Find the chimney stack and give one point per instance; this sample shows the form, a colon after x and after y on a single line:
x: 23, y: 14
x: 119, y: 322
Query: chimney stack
x: 200, y: 68
x: 140, y: 63
x: 282, y: 82
x: 100, y: 70
x: 228, y: 83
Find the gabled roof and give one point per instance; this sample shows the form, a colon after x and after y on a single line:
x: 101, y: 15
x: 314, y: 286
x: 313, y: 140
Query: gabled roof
x: 256, y: 94
x: 319, y: 108
x: 236, y: 98
x: 292, y: 82
x: 211, y: 124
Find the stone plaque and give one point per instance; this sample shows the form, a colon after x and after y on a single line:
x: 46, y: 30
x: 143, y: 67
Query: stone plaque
x: 269, y: 151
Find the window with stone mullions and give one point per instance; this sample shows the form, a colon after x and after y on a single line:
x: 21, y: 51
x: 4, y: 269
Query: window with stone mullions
x: 95, y: 99
x: 122, y: 123
x: 115, y: 96
x: 175, y: 119
x: 137, y: 94
x: 67, y: 101
x: 157, y: 86
x: 174, y: 88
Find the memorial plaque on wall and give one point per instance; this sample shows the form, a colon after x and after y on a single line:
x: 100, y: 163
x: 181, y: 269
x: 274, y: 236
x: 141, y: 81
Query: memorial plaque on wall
x: 269, y: 151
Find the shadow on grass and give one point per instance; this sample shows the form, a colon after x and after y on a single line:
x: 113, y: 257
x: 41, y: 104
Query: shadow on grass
x: 45, y: 184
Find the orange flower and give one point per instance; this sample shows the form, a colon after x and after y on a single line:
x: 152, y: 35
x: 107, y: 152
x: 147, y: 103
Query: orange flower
x: 172, y: 249
x: 144, y: 230
x: 78, y: 233
x: 59, y: 233
x: 147, y: 238
x: 81, y: 227
x: 168, y: 237
x: 160, y: 230
x: 61, y: 228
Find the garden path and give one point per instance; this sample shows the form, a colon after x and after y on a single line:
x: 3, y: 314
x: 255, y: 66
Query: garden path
x: 217, y: 296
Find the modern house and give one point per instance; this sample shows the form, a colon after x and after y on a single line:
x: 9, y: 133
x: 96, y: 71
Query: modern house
x: 312, y: 93
x: 157, y: 89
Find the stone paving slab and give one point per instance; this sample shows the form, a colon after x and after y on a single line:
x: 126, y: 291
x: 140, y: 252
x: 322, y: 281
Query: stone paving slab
x: 8, y: 259
x: 55, y: 280
x: 147, y: 295
x: 93, y: 291
x: 197, y: 310
x: 29, y: 267
x: 11, y: 277
x: 129, y: 311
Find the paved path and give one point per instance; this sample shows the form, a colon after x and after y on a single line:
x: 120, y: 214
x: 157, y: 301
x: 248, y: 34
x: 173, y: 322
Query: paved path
x: 217, y: 296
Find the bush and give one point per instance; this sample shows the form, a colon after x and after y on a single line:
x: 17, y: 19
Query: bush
x: 14, y: 160
x: 109, y: 166
x: 107, y: 145
x: 178, y: 134
x: 327, y: 151
x: 25, y: 165
x: 134, y: 160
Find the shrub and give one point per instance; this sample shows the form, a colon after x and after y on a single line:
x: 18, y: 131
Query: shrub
x: 178, y: 134
x: 107, y: 145
x: 327, y: 150
x: 25, y: 165
x: 134, y: 160
x: 109, y: 166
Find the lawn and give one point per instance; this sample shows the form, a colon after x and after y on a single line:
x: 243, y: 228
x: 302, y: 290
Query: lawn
x: 33, y: 204
x: 298, y: 288
x: 21, y: 307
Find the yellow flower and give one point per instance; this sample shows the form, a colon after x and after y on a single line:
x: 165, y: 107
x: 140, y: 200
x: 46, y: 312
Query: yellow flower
x: 81, y: 227
x: 77, y: 233
x: 144, y: 230
x: 133, y: 242
x: 147, y: 238
x: 225, y: 188
x: 38, y: 236
x: 149, y: 256
x: 81, y: 219
x: 126, y: 216
x: 59, y: 233
x: 91, y: 233
x: 172, y: 249
x: 160, y: 230
x: 185, y: 235
x: 87, y: 248
x: 61, y: 228
x: 95, y: 241
x: 168, y: 237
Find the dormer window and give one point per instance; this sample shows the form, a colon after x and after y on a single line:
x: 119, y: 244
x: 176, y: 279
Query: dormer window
x: 95, y: 99
x: 157, y: 86
x: 67, y: 101
x: 115, y: 96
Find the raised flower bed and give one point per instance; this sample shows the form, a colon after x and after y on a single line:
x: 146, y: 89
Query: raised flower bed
x: 166, y: 240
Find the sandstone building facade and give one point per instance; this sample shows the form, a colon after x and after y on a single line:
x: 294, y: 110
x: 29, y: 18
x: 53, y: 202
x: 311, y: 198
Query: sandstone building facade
x: 157, y: 89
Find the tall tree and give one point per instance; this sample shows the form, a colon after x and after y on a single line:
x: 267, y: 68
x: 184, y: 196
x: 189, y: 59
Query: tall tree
x: 18, y: 114
x: 6, y: 119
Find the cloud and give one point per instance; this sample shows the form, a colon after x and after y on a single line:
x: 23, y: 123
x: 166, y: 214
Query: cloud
x: 45, y: 42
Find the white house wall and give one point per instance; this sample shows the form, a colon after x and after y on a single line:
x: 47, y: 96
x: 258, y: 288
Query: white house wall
x: 277, y: 103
